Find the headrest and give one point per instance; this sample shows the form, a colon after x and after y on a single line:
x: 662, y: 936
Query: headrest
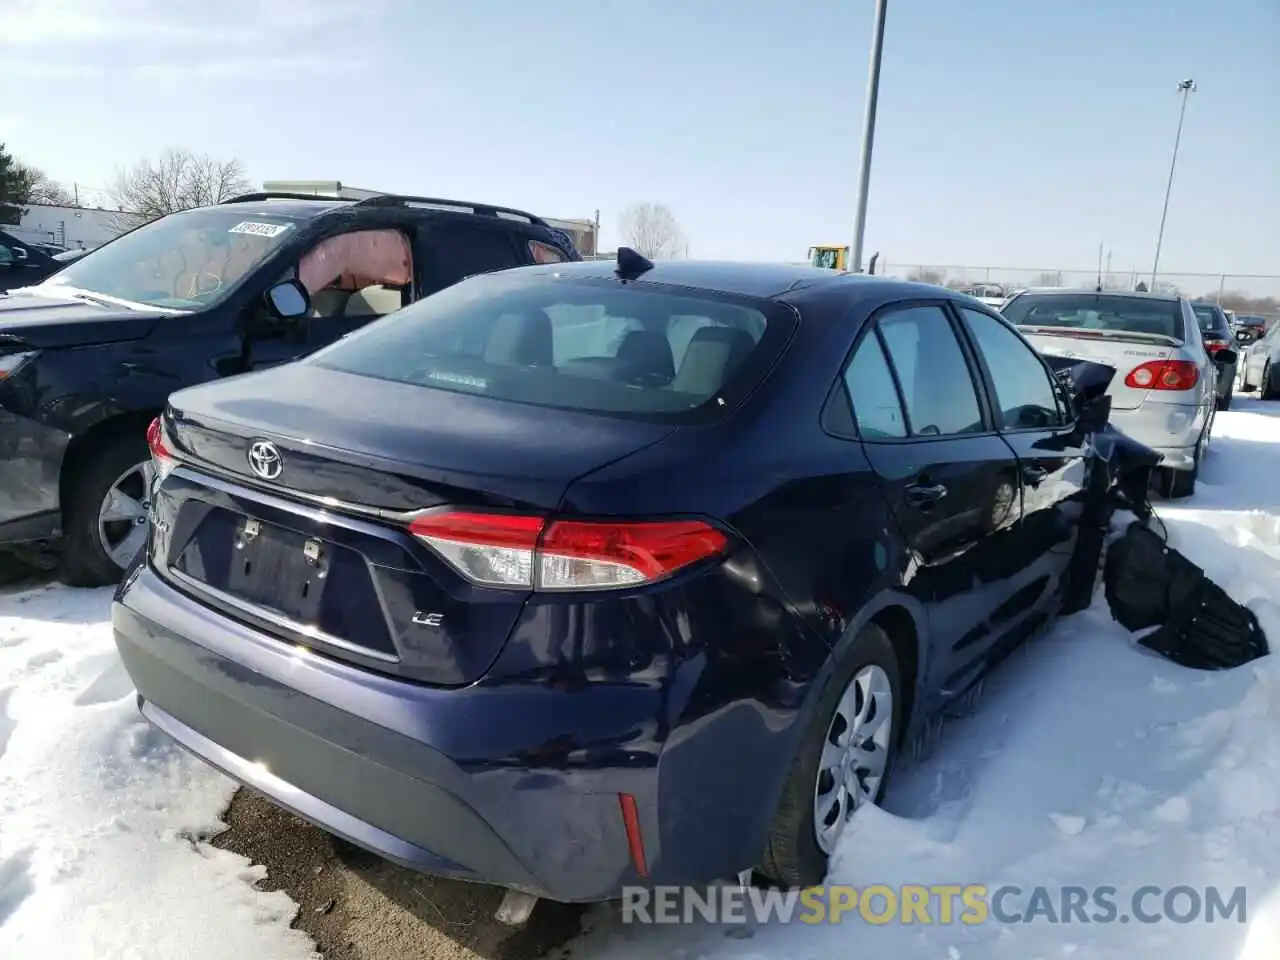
x: 520, y: 340
x: 646, y: 353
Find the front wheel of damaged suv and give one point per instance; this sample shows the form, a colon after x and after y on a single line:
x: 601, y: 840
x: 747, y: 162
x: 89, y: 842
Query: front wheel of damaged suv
x: 844, y: 761
x: 106, y: 513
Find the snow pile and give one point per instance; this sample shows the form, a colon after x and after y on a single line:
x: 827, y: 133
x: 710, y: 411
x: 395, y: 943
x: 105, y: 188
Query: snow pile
x: 100, y: 815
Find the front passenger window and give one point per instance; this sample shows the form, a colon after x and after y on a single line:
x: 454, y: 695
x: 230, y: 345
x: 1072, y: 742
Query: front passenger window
x: 1025, y: 392
x: 364, y: 273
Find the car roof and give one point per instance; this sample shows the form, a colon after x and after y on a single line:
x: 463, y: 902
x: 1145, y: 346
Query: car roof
x: 295, y: 209
x: 759, y: 280
x: 1076, y: 291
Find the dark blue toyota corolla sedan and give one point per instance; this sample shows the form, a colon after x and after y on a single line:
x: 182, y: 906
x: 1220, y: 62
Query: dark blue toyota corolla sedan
x: 587, y: 575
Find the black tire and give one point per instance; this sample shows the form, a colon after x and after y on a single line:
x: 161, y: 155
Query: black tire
x: 1268, y: 385
x: 1180, y: 484
x: 1224, y: 402
x: 84, y: 562
x: 792, y: 857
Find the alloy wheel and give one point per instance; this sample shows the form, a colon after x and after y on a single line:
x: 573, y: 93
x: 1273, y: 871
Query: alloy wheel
x: 123, y: 514
x: 855, y: 754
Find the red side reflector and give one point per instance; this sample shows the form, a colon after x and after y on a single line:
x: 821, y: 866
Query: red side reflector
x: 635, y: 841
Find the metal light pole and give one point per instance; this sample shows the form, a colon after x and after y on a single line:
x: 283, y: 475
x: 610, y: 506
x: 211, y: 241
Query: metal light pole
x: 868, y: 136
x: 1186, y: 88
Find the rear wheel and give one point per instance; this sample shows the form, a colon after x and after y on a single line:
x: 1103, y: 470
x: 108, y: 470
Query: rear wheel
x: 1269, y: 386
x: 844, y: 762
x: 106, y: 513
x: 1179, y: 484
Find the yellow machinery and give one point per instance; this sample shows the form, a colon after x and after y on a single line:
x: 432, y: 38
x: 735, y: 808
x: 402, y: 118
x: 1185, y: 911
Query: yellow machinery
x: 829, y: 258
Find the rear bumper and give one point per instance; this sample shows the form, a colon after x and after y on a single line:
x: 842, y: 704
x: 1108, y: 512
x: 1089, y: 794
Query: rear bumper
x: 464, y: 783
x: 30, y: 464
x: 1171, y: 429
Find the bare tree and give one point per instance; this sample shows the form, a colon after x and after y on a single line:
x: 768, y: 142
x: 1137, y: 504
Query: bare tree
x: 927, y: 275
x: 35, y: 186
x: 652, y: 229
x: 178, y: 180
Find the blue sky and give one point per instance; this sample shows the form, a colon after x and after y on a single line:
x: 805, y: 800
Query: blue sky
x: 1011, y: 132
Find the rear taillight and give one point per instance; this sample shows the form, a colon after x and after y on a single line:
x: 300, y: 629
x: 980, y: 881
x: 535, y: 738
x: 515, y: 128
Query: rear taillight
x: 532, y: 553
x: 161, y: 456
x: 1213, y: 346
x: 1163, y: 375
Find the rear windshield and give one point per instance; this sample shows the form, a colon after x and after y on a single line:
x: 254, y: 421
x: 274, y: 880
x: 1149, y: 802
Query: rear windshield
x: 1211, y: 320
x: 590, y: 345
x: 1097, y: 311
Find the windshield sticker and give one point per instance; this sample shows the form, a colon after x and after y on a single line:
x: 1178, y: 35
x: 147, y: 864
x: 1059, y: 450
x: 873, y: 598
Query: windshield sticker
x: 257, y: 229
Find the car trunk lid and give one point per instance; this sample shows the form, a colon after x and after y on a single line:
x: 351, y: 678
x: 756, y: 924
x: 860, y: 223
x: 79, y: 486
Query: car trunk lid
x: 1121, y: 350
x: 315, y: 546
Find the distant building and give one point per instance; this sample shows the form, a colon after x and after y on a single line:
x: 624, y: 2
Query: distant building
x: 581, y: 232
x: 75, y: 228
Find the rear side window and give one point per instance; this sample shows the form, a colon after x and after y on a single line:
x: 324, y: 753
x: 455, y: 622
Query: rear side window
x: 545, y: 253
x: 1211, y: 320
x: 1101, y: 312
x: 453, y: 251
x: 876, y: 407
x: 594, y: 346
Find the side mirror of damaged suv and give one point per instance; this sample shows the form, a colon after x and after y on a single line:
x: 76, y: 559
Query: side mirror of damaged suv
x: 289, y: 300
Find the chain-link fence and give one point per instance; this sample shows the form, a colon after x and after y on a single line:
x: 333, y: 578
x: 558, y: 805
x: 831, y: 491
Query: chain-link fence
x: 1250, y: 293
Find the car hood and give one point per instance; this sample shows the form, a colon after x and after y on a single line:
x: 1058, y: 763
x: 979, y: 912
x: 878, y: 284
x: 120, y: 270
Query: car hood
x: 46, y: 320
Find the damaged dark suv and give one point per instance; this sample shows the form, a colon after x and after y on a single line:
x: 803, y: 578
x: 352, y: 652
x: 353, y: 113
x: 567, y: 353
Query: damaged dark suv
x: 89, y: 356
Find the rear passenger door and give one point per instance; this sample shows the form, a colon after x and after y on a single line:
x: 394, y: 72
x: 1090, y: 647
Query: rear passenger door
x: 1031, y: 414
x: 450, y: 250
x: 950, y: 479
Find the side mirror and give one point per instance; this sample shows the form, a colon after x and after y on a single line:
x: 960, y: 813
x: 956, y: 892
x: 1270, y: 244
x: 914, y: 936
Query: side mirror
x: 19, y: 253
x: 289, y: 300
x: 1225, y: 356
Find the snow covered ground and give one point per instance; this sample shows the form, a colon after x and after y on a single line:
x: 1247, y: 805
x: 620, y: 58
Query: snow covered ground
x: 1090, y: 762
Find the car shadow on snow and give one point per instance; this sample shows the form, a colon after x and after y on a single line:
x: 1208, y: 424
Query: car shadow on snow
x: 358, y: 906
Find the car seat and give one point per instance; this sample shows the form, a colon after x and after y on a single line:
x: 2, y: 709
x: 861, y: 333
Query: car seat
x: 644, y: 356
x: 520, y: 340
x: 713, y: 354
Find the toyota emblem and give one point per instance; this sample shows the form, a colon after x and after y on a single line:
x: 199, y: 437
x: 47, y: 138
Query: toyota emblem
x: 265, y: 459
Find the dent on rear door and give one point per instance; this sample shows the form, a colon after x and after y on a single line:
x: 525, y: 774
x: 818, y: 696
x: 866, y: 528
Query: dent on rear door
x: 1031, y: 414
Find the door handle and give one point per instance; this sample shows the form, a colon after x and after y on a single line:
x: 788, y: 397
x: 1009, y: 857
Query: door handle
x: 925, y: 495
x: 1034, y: 475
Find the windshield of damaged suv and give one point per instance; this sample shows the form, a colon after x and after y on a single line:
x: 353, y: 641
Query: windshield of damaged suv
x: 595, y: 346
x: 186, y: 260
x: 1103, y: 312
